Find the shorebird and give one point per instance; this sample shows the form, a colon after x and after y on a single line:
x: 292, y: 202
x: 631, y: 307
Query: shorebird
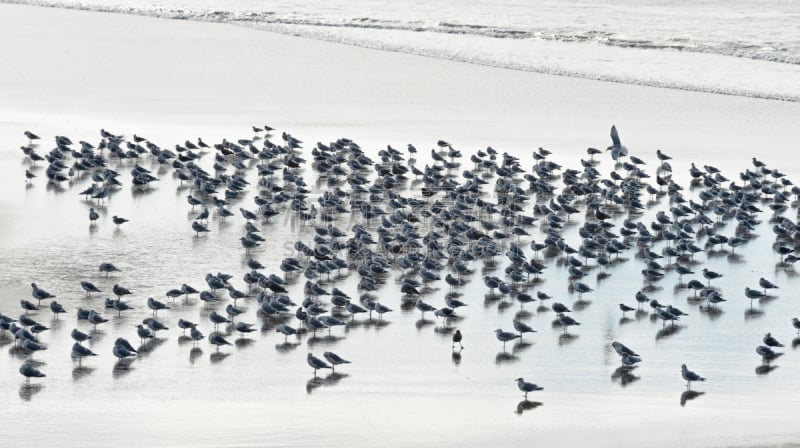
x: 505, y: 336
x: 218, y: 340
x: 28, y: 371
x: 527, y: 387
x: 457, y: 337
x: 119, y: 220
x: 93, y: 216
x: 334, y: 359
x: 690, y: 376
x: 316, y: 363
x: 89, y: 287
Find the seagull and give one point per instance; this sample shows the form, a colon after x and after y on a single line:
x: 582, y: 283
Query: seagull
x: 218, y: 340
x: 334, y: 359
x: 156, y: 306
x: 457, y: 339
x: 57, y: 309
x: 505, y: 336
x: 522, y: 327
x: 690, y: 376
x: 625, y: 308
x: 197, y: 227
x: 527, y: 387
x: 120, y: 291
x: 185, y: 325
x: 28, y: 371
x: 286, y: 330
x: 316, y: 363
x: 89, y: 287
x: 796, y: 324
x: 710, y: 275
x: 40, y: 294
x: 622, y: 350
x: 616, y: 148
x: 195, y: 334
x: 80, y: 351
x: 93, y: 216
x: 567, y: 321
x: 771, y: 341
x: 121, y: 352
x: 217, y: 319
x: 766, y: 284
x: 79, y: 336
x: 119, y: 220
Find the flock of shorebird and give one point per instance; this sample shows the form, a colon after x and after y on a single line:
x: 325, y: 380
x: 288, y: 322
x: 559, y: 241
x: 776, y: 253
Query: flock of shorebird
x: 457, y: 220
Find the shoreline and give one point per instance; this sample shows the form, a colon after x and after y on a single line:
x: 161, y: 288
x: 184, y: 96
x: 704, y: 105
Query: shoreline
x: 349, y: 36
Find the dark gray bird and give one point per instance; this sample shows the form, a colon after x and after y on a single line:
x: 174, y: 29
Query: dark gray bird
x: 457, y: 337
x: 334, y: 359
x: 316, y: 363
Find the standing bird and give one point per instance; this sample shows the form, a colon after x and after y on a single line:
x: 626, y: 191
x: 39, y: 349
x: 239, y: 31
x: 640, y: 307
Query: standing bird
x: 119, y: 220
x: 457, y: 337
x: 120, y: 291
x: 710, y: 275
x: 93, y: 216
x: 527, y: 387
x: 771, y: 341
x: 218, y: 340
x: 505, y: 336
x: 316, y: 363
x: 766, y: 284
x: 89, y: 287
x: 28, y: 371
x: 796, y: 324
x: 625, y: 308
x: 690, y: 376
x: 40, y: 294
x: 335, y: 360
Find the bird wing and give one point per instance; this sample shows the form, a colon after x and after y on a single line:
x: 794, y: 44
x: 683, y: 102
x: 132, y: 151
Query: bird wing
x: 615, y: 136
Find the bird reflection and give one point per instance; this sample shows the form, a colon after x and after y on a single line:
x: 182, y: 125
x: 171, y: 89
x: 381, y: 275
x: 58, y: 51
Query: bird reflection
x: 505, y: 358
x: 194, y: 354
x: 456, y: 357
x: 81, y: 372
x: 690, y: 395
x: 183, y: 340
x: 625, y: 320
x: 324, y: 340
x: 668, y: 331
x: 27, y: 390
x: 286, y: 347
x: 520, y: 346
x: 330, y: 380
x: 764, y: 369
x: 243, y: 342
x: 795, y: 342
x: 567, y: 338
x: 422, y: 323
x: 122, y: 367
x: 522, y: 314
x: 753, y: 313
x: 712, y: 312
x: 218, y: 357
x: 526, y: 405
x: 625, y: 376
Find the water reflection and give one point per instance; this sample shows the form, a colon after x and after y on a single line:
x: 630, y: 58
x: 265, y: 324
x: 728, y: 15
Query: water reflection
x: 456, y: 357
x: 520, y: 346
x: 567, y: 338
x: 195, y: 354
x: 764, y: 369
x: 625, y: 376
x: 243, y: 342
x: 122, y: 368
x: 324, y: 340
x: 27, y: 390
x: 422, y: 323
x: 753, y: 313
x: 81, y: 372
x: 218, y: 357
x: 690, y: 395
x: 795, y: 343
x: 286, y: 347
x: 669, y: 330
x: 526, y: 405
x: 505, y: 358
x: 331, y: 380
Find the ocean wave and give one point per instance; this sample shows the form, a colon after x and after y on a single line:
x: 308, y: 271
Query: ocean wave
x: 315, y: 28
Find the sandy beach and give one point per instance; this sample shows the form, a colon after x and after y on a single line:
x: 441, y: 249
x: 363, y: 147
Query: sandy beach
x: 71, y: 73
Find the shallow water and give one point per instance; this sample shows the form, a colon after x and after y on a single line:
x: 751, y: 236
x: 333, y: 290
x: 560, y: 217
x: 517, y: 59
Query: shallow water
x: 404, y: 385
